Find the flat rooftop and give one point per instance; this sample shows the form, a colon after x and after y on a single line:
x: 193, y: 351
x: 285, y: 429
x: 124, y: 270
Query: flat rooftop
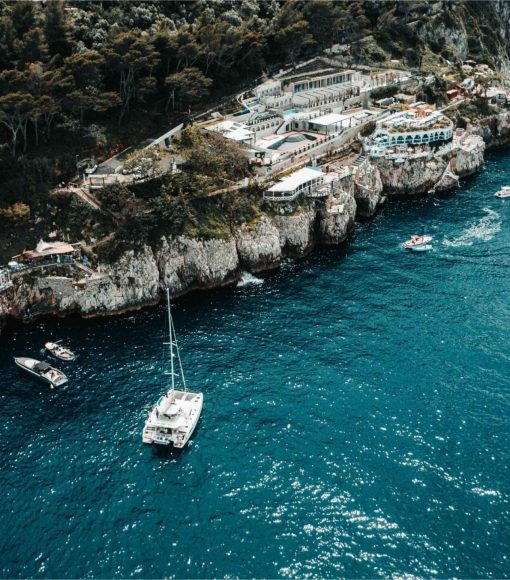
x: 310, y: 75
x: 293, y: 181
x: 329, y: 119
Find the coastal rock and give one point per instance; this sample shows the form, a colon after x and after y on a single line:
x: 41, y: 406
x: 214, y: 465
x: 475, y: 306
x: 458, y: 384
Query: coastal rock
x: 413, y: 177
x: 368, y: 188
x: 494, y: 129
x: 337, y: 218
x: 469, y: 157
x: 296, y: 231
x: 263, y: 246
x: 188, y: 263
x: 130, y: 282
x: 259, y: 247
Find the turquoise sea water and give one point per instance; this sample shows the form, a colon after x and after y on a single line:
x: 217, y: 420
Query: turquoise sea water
x: 356, y: 418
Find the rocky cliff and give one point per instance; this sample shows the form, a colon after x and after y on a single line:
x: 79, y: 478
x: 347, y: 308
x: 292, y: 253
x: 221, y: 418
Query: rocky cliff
x: 183, y: 264
x: 440, y: 171
x: 368, y: 189
x: 494, y: 129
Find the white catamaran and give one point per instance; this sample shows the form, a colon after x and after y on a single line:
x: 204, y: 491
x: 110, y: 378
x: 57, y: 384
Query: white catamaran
x: 174, y: 417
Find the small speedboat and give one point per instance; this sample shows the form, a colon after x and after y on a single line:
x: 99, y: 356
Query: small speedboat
x: 421, y: 248
x: 59, y: 351
x: 41, y: 370
x: 416, y: 241
x: 503, y: 192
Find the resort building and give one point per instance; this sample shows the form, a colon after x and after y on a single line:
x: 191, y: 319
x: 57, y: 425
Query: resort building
x: 5, y: 279
x: 269, y: 87
x: 47, y: 253
x: 496, y: 96
x: 307, y: 81
x: 331, y: 123
x: 412, y: 128
x: 309, y: 89
x: 305, y: 181
x: 236, y: 131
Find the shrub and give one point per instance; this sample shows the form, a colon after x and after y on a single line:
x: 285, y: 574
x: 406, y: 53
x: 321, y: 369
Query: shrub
x: 17, y: 214
x: 384, y: 92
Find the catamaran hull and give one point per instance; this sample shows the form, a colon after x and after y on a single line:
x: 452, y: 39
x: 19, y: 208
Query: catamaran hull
x: 178, y: 437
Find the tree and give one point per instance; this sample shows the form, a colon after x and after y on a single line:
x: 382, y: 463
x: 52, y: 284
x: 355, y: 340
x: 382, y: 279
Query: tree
x: 292, y: 34
x: 146, y: 161
x: 31, y: 47
x: 50, y: 89
x: 188, y: 50
x: 212, y: 155
x: 15, y: 111
x: 87, y: 93
x: 165, y: 44
x: 190, y: 86
x: 221, y: 43
x: 22, y: 16
x: 55, y: 29
x: 7, y: 39
x: 133, y: 56
x: 321, y: 14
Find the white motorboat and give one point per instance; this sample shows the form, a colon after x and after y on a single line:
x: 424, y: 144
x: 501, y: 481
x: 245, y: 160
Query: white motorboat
x: 42, y: 371
x: 421, y: 248
x: 59, y: 351
x: 503, y: 192
x: 416, y: 241
x: 174, y: 417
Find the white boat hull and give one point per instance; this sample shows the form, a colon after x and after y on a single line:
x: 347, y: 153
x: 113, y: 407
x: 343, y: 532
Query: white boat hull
x: 55, y: 378
x: 422, y: 240
x: 59, y: 351
x: 421, y: 248
x: 176, y: 429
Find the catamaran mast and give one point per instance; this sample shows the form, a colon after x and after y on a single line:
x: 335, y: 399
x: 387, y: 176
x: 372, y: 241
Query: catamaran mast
x: 171, y: 339
x: 179, y: 358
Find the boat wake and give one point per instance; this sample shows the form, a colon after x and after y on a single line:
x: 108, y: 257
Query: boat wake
x: 484, y: 230
x: 248, y: 279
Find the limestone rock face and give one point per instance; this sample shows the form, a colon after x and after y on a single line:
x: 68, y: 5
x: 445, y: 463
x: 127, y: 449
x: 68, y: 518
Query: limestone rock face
x: 337, y: 219
x: 494, y: 130
x: 368, y: 189
x: 131, y: 282
x: 469, y: 158
x: 258, y: 248
x: 138, y: 278
x: 188, y: 263
x: 413, y: 177
x: 274, y: 238
x: 296, y: 232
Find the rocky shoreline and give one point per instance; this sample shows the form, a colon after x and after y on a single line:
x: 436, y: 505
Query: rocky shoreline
x: 184, y: 264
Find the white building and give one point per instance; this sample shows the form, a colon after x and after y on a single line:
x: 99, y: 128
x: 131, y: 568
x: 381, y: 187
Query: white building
x: 304, y: 180
x: 269, y: 87
x: 331, y: 123
x: 5, y: 279
x: 308, y: 89
x: 409, y: 128
x: 236, y: 131
x: 310, y: 81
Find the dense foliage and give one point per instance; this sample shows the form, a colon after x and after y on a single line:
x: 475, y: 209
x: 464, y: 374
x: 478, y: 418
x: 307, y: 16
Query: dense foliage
x: 88, y: 78
x: 70, y: 65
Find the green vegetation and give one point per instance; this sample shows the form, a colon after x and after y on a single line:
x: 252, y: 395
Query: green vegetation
x: 195, y: 202
x: 88, y: 79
